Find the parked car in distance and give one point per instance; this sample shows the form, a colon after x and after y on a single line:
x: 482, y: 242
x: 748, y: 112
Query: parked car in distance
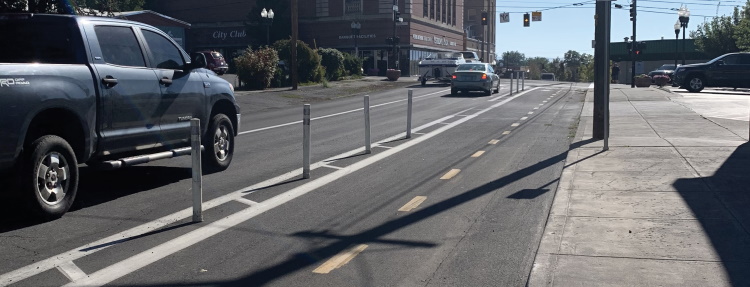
x: 666, y: 69
x: 214, y: 61
x: 548, y: 77
x: 729, y: 70
x: 475, y: 77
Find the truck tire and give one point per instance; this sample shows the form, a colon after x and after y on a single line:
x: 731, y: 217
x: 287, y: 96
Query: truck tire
x: 49, y: 177
x: 218, y: 143
x: 695, y: 83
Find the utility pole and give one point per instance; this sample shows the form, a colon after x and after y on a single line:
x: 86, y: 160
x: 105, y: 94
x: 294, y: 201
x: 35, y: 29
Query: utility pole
x: 293, y: 46
x: 633, y: 14
x: 395, y: 41
x: 601, y: 71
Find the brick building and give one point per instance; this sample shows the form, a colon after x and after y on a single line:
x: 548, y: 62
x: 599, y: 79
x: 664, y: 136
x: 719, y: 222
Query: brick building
x: 428, y: 26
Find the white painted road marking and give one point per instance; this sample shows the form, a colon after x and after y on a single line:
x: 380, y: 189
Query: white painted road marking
x: 506, y: 132
x: 152, y: 255
x: 70, y: 270
x: 245, y: 201
x: 336, y: 114
x: 494, y: 141
x: 478, y: 154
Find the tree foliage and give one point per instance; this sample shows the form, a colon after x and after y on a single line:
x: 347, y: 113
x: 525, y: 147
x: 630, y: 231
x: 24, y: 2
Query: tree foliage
x: 725, y: 34
x: 80, y: 7
x: 513, y: 59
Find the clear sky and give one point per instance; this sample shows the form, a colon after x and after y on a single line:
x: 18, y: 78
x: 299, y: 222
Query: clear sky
x: 572, y: 28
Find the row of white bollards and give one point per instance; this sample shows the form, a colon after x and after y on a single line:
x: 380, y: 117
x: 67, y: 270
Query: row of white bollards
x: 195, y: 147
x: 368, y: 139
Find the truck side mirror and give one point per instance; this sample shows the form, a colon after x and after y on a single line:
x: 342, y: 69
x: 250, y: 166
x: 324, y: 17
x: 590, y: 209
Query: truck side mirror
x: 199, y: 61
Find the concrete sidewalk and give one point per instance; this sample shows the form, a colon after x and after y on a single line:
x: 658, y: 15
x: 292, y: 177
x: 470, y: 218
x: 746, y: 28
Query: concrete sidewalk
x: 667, y: 205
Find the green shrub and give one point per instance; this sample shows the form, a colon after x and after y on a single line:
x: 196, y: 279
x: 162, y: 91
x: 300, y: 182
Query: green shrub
x: 257, y: 68
x: 352, y: 65
x: 308, y: 61
x: 333, y: 61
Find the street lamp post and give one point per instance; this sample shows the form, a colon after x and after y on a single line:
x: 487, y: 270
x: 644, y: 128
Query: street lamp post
x: 356, y: 26
x: 676, y: 39
x: 267, y: 19
x: 684, y: 16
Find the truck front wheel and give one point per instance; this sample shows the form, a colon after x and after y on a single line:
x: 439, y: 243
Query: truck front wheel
x: 49, y: 178
x: 219, y: 144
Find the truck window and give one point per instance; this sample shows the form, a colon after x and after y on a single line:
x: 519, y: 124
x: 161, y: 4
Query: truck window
x: 37, y: 42
x: 166, y: 55
x: 119, y: 46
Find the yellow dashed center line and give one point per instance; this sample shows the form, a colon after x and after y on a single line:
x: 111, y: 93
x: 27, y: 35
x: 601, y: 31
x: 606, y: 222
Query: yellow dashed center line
x: 524, y: 118
x: 340, y: 259
x: 412, y: 204
x: 506, y: 132
x: 478, y: 154
x: 494, y: 141
x: 451, y: 174
x: 536, y: 108
x: 515, y: 124
x: 531, y: 113
x: 544, y: 101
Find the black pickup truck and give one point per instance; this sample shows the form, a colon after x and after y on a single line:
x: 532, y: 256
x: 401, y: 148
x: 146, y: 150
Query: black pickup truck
x: 105, y: 92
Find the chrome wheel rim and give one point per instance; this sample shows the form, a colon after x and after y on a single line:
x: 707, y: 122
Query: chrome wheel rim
x: 52, y: 178
x: 221, y: 142
x: 696, y: 83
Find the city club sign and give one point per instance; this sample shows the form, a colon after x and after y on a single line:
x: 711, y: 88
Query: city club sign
x: 365, y: 36
x: 437, y: 40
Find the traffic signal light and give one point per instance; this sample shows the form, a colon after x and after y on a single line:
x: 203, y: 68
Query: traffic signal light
x: 526, y: 19
x: 396, y: 16
x: 630, y: 46
x: 639, y: 47
x: 633, y: 11
x: 484, y: 18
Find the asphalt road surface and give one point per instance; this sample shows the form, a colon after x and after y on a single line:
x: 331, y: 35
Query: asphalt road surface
x: 461, y: 203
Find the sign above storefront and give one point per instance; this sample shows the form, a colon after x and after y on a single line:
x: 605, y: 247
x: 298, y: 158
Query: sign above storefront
x: 220, y: 36
x: 365, y: 36
x: 437, y: 40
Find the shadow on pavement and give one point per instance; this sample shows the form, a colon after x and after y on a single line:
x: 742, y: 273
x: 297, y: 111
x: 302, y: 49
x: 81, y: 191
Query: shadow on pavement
x: 730, y: 237
x: 296, y: 262
x: 97, y: 187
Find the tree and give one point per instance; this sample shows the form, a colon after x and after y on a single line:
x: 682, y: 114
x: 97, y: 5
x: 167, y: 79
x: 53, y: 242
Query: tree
x: 586, y: 70
x: 718, y: 36
x: 513, y: 59
x: 537, y: 66
x: 742, y: 30
x: 80, y: 7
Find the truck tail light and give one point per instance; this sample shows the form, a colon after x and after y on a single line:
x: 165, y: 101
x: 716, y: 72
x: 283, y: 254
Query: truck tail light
x: 484, y: 76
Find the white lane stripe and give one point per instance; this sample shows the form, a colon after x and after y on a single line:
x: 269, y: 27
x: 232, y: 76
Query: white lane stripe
x: 127, y: 266
x: 246, y: 201
x: 498, y: 97
x: 85, y: 250
x: 70, y: 270
x: 332, y: 167
x: 335, y: 114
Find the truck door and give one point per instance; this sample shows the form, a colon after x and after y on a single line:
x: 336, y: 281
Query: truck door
x: 182, y: 91
x: 130, y: 93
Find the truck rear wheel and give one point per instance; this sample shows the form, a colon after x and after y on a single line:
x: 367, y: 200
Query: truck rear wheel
x: 49, y: 177
x: 219, y: 144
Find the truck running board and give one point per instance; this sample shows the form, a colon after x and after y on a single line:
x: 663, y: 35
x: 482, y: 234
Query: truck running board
x: 141, y: 159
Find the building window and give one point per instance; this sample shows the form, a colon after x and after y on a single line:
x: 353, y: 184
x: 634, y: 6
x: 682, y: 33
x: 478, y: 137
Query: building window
x: 472, y: 15
x: 432, y: 9
x: 353, y: 6
x: 445, y: 6
x: 425, y: 9
x: 321, y: 8
x: 454, y: 12
x: 449, y: 7
x: 437, y: 13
